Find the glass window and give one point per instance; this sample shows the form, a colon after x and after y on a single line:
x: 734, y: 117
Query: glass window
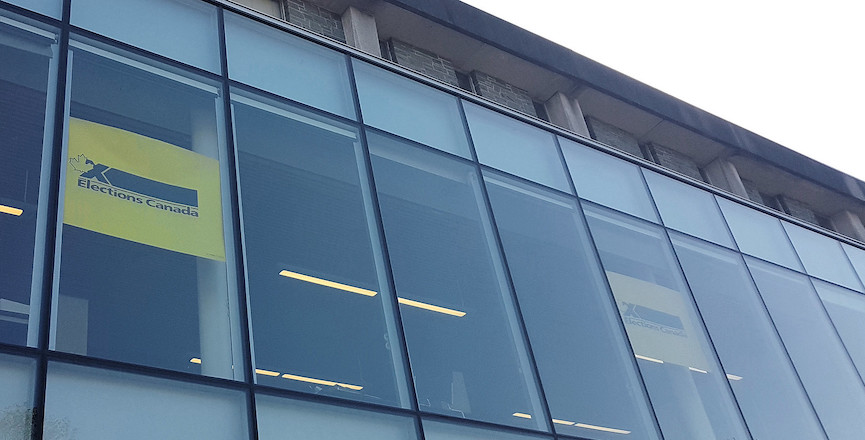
x: 455, y: 305
x: 87, y: 403
x: 688, y: 209
x: 143, y: 274
x: 51, y: 8
x: 283, y: 419
x: 16, y: 400
x: 608, y: 180
x: 410, y: 109
x: 585, y: 366
x: 283, y: 64
x: 822, y: 256
x: 819, y: 357
x: 857, y: 258
x: 435, y: 430
x: 26, y: 100
x: 847, y: 310
x: 756, y: 364
x: 759, y: 234
x: 319, y: 299
x: 185, y: 30
x: 690, y: 395
x: 516, y: 147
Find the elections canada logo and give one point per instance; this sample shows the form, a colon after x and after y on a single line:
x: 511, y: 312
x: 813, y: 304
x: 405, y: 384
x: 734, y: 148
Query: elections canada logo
x: 132, y: 188
x: 635, y: 314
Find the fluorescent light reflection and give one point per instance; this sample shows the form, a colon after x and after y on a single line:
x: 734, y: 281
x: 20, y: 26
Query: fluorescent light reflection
x: 431, y: 307
x: 327, y: 283
x: 602, y: 428
x: 195, y: 361
x: 564, y: 422
x: 522, y: 415
x: 321, y: 382
x: 650, y: 359
x: 698, y: 370
x: 266, y: 372
x: 733, y: 377
x: 10, y: 210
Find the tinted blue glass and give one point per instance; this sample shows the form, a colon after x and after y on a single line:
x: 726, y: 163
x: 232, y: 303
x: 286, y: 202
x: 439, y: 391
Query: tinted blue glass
x: 587, y: 370
x: 24, y: 97
x: 516, y: 147
x: 410, y: 109
x: 185, y: 30
x: 280, y: 63
x: 608, y: 180
x: 51, y: 8
x: 822, y: 256
x: 435, y: 430
x: 17, y: 380
x: 759, y: 234
x: 319, y: 303
x: 847, y: 310
x: 161, y: 408
x: 818, y: 355
x: 458, y: 314
x: 686, y: 386
x: 688, y: 209
x: 756, y: 364
x: 857, y: 258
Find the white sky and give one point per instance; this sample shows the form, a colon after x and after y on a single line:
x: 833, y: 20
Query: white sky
x: 791, y: 71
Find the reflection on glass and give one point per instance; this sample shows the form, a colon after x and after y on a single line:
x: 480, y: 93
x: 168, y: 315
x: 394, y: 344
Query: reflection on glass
x: 688, y: 209
x: 818, y: 355
x: 759, y: 234
x: 444, y: 257
x: 608, y: 180
x: 435, y: 430
x: 410, y: 109
x: 289, y: 66
x: 516, y: 147
x: 588, y: 373
x: 24, y: 78
x: 686, y: 385
x: 281, y: 419
x: 822, y: 256
x: 857, y: 258
x: 51, y: 8
x: 157, y: 26
x: 143, y: 275
x: 319, y: 304
x: 761, y: 376
x: 17, y: 377
x: 128, y: 406
x: 847, y: 311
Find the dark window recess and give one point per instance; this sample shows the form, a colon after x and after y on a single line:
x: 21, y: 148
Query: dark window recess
x: 541, y: 111
x: 386, y: 47
x: 824, y: 222
x: 465, y: 81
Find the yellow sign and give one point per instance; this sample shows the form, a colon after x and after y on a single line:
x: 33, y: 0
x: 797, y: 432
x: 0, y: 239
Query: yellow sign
x: 129, y: 186
x: 658, y: 322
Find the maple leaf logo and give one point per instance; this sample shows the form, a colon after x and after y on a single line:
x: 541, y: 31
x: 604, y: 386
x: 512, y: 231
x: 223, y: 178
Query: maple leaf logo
x: 81, y: 163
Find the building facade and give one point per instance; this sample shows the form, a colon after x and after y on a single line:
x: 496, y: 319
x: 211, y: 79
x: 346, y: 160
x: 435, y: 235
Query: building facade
x: 399, y: 220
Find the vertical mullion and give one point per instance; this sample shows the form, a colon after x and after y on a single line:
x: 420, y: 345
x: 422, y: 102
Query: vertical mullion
x: 234, y: 201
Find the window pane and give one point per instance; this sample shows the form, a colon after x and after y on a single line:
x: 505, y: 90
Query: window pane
x: 455, y: 304
x: 759, y: 234
x: 143, y: 275
x: 688, y: 209
x: 410, y: 109
x: 760, y: 374
x: 185, y: 30
x: 25, y: 99
x: 588, y: 373
x: 318, y: 294
x: 276, y: 61
x: 434, y: 430
x: 857, y: 258
x: 51, y: 8
x: 847, y: 310
x: 690, y: 396
x: 16, y: 401
x: 822, y: 256
x: 608, y: 180
x: 95, y: 404
x: 283, y: 419
x: 825, y: 369
x: 515, y: 147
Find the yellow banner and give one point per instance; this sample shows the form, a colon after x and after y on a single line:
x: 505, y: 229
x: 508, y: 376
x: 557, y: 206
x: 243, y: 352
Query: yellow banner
x: 658, y: 322
x: 129, y: 186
